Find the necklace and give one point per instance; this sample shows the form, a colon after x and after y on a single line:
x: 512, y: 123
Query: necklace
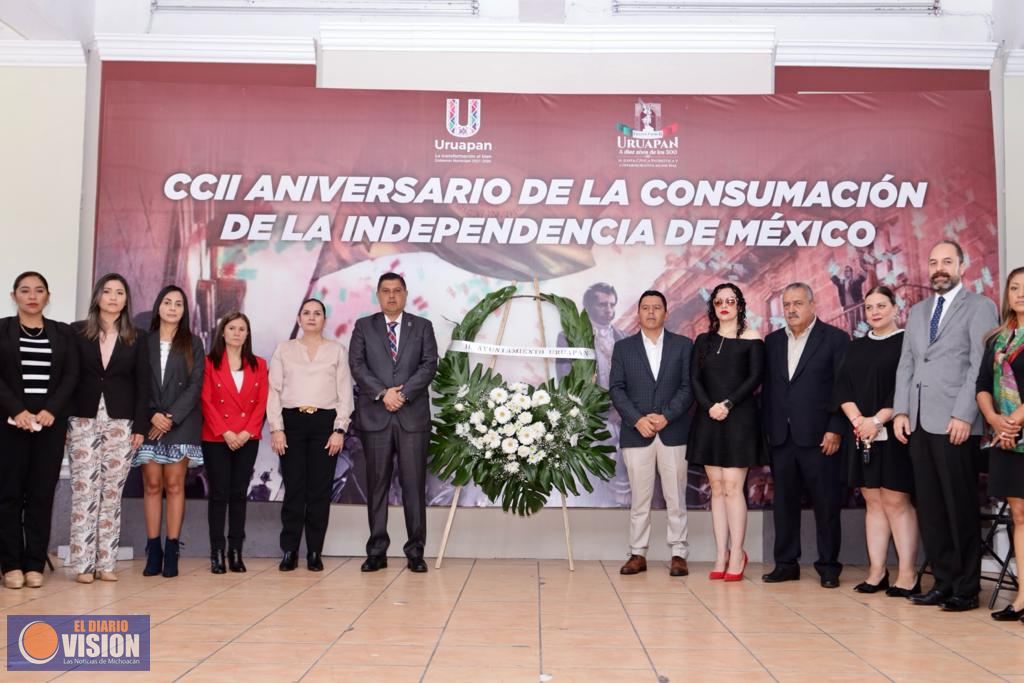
x: 720, y: 344
x: 29, y: 334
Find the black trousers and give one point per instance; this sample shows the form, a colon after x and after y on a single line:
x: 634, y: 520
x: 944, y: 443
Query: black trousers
x: 411, y: 448
x: 229, y: 473
x: 795, y: 468
x: 308, y: 472
x: 948, y: 509
x: 29, y: 469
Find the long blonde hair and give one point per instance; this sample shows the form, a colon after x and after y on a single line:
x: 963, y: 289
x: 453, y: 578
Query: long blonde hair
x: 124, y: 326
x: 1007, y: 316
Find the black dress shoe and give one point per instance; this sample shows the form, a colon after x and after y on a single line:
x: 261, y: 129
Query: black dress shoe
x: 314, y: 563
x: 1008, y: 614
x: 866, y: 587
x: 830, y: 582
x: 374, y: 563
x: 931, y: 598
x: 897, y: 592
x: 217, y: 562
x: 289, y: 562
x: 780, y: 574
x: 235, y: 563
x: 416, y: 564
x: 960, y: 603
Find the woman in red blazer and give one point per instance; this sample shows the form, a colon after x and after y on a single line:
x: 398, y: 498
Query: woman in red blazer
x: 234, y: 402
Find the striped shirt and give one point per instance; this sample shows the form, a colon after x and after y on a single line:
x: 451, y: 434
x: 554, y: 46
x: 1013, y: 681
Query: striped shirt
x: 35, y: 360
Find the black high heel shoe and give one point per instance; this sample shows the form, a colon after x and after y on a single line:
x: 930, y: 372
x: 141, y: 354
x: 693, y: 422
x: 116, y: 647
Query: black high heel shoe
x: 1008, y: 614
x: 897, y: 592
x: 217, y: 562
x: 866, y: 587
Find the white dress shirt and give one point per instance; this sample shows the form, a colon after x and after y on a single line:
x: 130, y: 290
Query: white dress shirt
x: 654, y: 349
x: 796, y: 345
x: 948, y: 299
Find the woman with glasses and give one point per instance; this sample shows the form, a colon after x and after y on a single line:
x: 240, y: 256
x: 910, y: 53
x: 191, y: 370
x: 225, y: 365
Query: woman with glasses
x: 725, y: 372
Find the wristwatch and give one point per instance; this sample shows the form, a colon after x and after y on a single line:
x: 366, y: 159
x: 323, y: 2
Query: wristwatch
x: 878, y: 423
x: 339, y: 430
x: 728, y: 404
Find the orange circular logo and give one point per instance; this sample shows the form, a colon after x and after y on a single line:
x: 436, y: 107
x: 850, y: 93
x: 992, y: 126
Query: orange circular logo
x: 38, y: 642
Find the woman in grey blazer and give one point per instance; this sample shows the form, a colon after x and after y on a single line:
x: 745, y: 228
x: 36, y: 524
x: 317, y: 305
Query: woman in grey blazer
x: 173, y: 441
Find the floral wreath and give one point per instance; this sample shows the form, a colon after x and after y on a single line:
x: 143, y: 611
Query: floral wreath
x: 518, y: 442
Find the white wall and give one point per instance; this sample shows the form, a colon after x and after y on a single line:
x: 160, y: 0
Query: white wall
x: 42, y: 87
x: 1013, y: 149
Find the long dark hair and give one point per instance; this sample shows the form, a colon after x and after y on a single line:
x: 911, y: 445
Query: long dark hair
x: 182, y: 342
x: 741, y: 309
x: 124, y: 326
x: 219, y: 347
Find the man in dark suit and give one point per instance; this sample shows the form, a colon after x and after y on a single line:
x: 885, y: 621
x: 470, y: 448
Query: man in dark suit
x: 804, y: 433
x: 936, y: 411
x: 393, y: 356
x: 650, y: 387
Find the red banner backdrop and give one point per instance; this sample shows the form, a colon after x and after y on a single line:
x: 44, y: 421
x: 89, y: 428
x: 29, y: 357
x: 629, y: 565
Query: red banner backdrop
x: 252, y: 197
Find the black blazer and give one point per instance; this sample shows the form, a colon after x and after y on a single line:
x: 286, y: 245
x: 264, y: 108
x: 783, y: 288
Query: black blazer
x: 124, y: 383
x: 178, y: 393
x: 63, y: 369
x: 374, y: 371
x: 636, y: 392
x: 802, y: 407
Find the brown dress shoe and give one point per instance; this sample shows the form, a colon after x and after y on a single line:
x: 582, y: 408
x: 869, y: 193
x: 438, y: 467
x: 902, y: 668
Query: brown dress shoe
x: 678, y: 567
x: 634, y: 565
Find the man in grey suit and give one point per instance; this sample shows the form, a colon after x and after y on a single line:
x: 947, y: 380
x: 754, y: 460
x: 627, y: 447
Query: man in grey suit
x: 650, y: 387
x: 393, y: 356
x: 936, y: 412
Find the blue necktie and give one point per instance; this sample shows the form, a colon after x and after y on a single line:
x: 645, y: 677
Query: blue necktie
x: 933, y: 328
x: 393, y: 341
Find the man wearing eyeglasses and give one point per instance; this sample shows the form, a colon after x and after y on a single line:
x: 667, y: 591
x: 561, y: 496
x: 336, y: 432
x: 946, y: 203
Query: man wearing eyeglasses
x: 804, y: 432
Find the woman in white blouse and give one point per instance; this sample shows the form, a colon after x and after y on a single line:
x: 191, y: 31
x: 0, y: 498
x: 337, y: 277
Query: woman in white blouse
x: 308, y: 410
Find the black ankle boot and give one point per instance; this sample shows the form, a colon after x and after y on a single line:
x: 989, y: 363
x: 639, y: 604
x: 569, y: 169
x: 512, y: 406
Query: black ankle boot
x: 154, y: 557
x: 171, y: 551
x: 217, y: 562
x: 235, y: 563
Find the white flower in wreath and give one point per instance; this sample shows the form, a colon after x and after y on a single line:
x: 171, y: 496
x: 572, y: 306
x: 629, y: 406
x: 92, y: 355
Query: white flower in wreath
x: 463, y: 391
x: 525, y: 436
x: 498, y: 395
x: 476, y: 417
x: 462, y: 429
x: 502, y: 414
x: 536, y: 457
x: 554, y: 416
x: 477, y: 443
x: 548, y: 438
x: 521, y: 402
x: 492, y: 439
x: 575, y: 412
x: 509, y: 445
x: 488, y: 455
x: 539, y: 429
x: 518, y: 387
x: 574, y: 439
x: 482, y: 429
x: 511, y: 467
x: 490, y: 404
x: 509, y: 429
x: 541, y: 398
x: 524, y: 451
x: 525, y: 418
x: 575, y: 399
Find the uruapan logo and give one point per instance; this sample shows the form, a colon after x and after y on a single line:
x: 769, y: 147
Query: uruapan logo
x: 648, y: 130
x: 473, y: 116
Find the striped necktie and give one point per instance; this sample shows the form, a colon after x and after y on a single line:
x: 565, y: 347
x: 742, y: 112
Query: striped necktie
x: 393, y: 341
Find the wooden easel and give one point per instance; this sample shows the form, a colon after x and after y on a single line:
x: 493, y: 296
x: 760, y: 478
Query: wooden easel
x: 458, y: 489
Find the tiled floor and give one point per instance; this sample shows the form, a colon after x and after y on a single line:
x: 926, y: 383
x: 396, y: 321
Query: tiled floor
x: 490, y: 621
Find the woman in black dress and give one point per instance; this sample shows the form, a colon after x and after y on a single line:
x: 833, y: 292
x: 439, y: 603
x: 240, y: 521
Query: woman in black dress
x: 999, y: 385
x: 879, y: 464
x: 726, y: 434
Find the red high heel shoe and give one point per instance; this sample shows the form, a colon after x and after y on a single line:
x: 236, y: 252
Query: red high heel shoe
x: 737, y: 577
x: 718, y: 576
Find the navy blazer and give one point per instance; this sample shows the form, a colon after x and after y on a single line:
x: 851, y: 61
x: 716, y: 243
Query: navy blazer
x: 802, y: 407
x: 373, y: 370
x: 636, y: 392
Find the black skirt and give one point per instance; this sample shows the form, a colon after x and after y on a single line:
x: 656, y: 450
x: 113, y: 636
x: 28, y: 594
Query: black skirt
x: 1005, y: 473
x: 889, y: 466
